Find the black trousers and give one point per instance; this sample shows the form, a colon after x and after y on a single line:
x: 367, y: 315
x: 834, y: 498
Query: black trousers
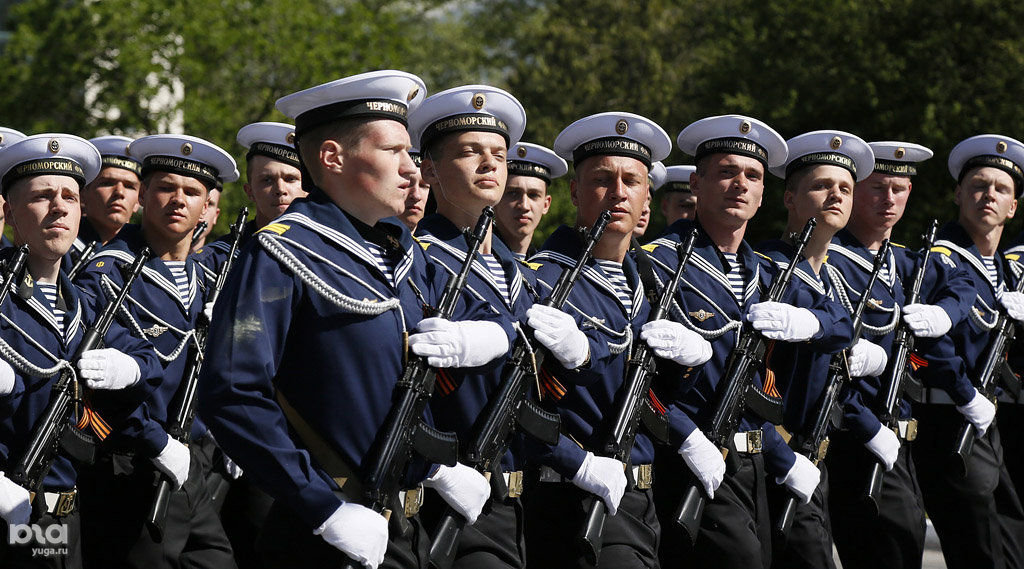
x: 555, y: 516
x: 243, y: 512
x: 116, y: 494
x: 735, y: 531
x: 809, y: 542
x: 892, y: 538
x: 59, y: 548
x: 286, y: 543
x: 1011, y: 429
x: 978, y: 516
x: 495, y: 541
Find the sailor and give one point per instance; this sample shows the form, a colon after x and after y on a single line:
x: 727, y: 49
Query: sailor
x: 723, y: 287
x: 419, y: 192
x: 8, y: 136
x: 309, y: 337
x: 45, y: 319
x: 526, y: 200
x: 977, y: 516
x: 820, y: 173
x: 178, y: 172
x: 612, y: 154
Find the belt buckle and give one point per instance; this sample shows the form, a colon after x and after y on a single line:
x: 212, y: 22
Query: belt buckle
x: 754, y: 443
x: 911, y: 430
x: 66, y: 503
x: 515, y: 484
x: 413, y: 501
x: 644, y: 477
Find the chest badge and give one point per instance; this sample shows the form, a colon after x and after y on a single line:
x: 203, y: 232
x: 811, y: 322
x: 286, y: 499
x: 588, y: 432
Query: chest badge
x: 155, y: 330
x: 701, y: 315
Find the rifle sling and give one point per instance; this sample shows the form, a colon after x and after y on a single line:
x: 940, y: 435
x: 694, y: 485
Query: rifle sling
x: 332, y: 463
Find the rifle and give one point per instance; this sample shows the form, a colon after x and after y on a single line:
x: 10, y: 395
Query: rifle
x: 181, y: 426
x: 830, y: 413
x: 510, y: 408
x: 83, y: 258
x: 995, y: 369
x: 738, y: 392
x: 635, y: 407
x: 899, y: 377
x: 197, y: 233
x: 51, y: 430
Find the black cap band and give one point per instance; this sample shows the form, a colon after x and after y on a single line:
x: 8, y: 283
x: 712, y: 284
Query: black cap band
x: 43, y: 167
x: 375, y: 108
x: 822, y: 158
x: 733, y: 145
x: 122, y: 163
x: 474, y: 122
x: 521, y: 168
x: 894, y: 168
x: 1004, y: 164
x: 277, y: 152
x: 676, y: 187
x: 182, y: 166
x: 612, y: 146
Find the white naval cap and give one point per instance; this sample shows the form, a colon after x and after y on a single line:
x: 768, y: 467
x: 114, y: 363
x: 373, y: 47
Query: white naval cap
x: 733, y: 134
x: 895, y: 158
x: 114, y: 152
x: 828, y: 147
x: 614, y: 134
x: 993, y: 150
x: 275, y: 140
x: 468, y: 108
x: 49, y: 154
x: 9, y: 136
x: 678, y: 178
x: 386, y: 94
x: 185, y: 155
x: 657, y: 175
x: 526, y: 159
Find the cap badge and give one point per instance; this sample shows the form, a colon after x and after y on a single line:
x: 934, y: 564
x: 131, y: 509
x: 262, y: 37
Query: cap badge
x: 126, y: 152
x: 521, y: 152
x: 1, y: 139
x: 836, y: 142
x: 412, y: 94
x: 1000, y: 147
x: 54, y: 145
x: 478, y: 101
x: 744, y: 127
x: 900, y: 152
x: 186, y: 148
x: 622, y: 126
x: 290, y: 138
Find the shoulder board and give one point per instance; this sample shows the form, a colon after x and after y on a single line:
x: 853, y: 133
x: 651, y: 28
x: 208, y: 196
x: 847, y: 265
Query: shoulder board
x: 423, y: 244
x: 1012, y: 256
x: 762, y: 255
x: 278, y: 228
x: 897, y: 245
x: 942, y: 250
x: 199, y: 251
x: 533, y: 266
x: 650, y: 247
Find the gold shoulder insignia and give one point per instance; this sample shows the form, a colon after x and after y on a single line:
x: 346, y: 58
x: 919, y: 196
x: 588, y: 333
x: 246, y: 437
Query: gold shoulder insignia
x: 99, y: 264
x: 1012, y: 256
x: 278, y: 228
x: 650, y: 247
x: 766, y: 257
x: 942, y: 250
x: 702, y: 315
x: 533, y: 266
x: 199, y: 250
x: 897, y: 245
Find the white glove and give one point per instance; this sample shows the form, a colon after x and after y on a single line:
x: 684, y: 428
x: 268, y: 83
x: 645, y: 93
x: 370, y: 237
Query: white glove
x: 467, y: 343
x: 208, y: 311
x: 604, y: 477
x: 780, y: 321
x: 231, y: 467
x: 673, y: 341
x: 557, y: 332
x: 866, y: 359
x: 462, y: 487
x: 705, y: 460
x: 6, y: 378
x: 15, y: 506
x: 802, y: 478
x: 358, y: 532
x: 1013, y: 302
x: 979, y: 411
x: 108, y: 368
x: 886, y: 446
x: 173, y: 461
x: 926, y: 320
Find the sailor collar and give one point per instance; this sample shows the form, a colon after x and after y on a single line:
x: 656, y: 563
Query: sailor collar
x: 126, y: 247
x: 710, y: 260
x: 36, y: 302
x: 846, y: 244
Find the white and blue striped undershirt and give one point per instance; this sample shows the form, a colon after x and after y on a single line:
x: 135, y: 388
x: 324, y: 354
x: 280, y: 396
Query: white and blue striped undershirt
x: 990, y: 267
x: 735, y: 276
x: 177, y: 269
x: 613, y: 271
x: 494, y: 266
x: 382, y: 262
x: 49, y: 291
